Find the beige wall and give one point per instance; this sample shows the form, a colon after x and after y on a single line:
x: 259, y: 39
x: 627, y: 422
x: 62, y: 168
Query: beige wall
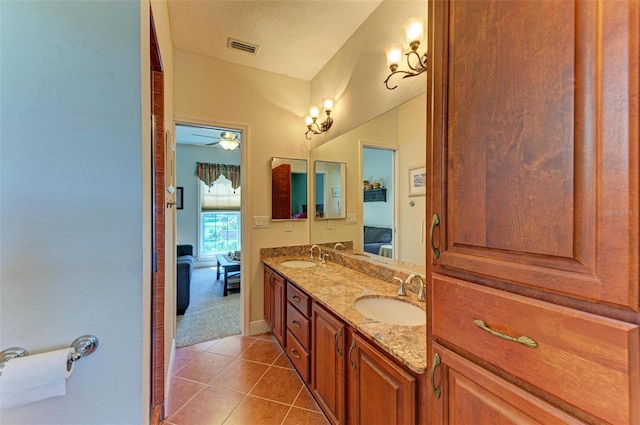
x: 411, y: 230
x: 271, y: 107
x: 355, y: 75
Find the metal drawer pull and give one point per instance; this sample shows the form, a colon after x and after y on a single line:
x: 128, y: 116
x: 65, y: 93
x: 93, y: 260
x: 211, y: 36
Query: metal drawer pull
x: 436, y: 363
x: 295, y: 298
x: 353, y: 364
x: 295, y: 323
x: 338, y: 335
x: 434, y: 222
x: 524, y: 340
x: 295, y: 354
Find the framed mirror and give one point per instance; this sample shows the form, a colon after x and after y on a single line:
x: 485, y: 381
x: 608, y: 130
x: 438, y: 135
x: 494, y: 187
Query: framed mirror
x: 288, y: 189
x: 330, y: 189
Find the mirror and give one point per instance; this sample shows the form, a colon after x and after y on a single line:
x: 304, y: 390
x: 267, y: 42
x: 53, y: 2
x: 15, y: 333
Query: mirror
x: 288, y: 189
x: 401, y: 130
x: 329, y: 184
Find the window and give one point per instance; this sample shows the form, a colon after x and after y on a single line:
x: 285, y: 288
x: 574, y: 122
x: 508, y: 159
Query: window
x: 220, y: 232
x: 220, y: 218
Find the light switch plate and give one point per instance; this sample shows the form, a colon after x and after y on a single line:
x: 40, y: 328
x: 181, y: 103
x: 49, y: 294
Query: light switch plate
x: 330, y: 224
x: 260, y: 222
x: 287, y: 226
x: 351, y: 219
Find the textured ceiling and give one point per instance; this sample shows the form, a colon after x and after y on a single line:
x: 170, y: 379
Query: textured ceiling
x: 295, y: 38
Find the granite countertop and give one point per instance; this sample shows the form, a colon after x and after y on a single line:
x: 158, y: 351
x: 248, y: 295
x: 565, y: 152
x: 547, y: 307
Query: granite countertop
x: 337, y: 287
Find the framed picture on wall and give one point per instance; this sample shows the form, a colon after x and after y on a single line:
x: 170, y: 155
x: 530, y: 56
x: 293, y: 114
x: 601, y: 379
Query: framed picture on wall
x: 417, y: 180
x: 179, y: 199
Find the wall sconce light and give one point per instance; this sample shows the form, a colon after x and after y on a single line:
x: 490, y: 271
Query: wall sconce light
x: 414, y: 30
x: 311, y: 120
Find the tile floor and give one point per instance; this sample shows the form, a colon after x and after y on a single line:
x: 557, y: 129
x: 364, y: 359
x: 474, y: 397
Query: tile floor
x: 238, y: 381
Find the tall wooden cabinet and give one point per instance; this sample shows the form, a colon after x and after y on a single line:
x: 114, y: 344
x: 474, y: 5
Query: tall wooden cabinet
x: 534, y: 168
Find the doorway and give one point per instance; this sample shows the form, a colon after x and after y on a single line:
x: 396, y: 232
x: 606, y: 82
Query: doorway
x: 209, y: 222
x: 378, y: 206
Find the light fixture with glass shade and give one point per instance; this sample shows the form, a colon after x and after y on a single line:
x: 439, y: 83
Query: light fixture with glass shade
x: 414, y: 30
x: 311, y: 120
x: 228, y: 141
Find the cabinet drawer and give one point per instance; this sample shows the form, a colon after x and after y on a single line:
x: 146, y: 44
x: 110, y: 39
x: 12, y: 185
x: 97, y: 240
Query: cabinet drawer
x: 298, y: 325
x: 298, y: 356
x: 576, y: 352
x: 298, y: 299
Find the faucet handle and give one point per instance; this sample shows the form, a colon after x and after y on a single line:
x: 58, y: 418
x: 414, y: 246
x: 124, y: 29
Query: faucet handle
x: 401, y: 291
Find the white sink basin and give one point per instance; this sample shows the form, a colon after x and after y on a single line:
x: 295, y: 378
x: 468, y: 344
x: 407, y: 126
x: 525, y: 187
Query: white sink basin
x: 391, y: 310
x: 300, y: 264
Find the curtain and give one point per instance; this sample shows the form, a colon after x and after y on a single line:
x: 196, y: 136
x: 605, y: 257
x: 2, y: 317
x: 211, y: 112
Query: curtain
x: 208, y: 173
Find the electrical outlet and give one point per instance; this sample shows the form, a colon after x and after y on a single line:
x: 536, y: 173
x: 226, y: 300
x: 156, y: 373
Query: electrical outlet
x: 287, y: 226
x: 330, y: 224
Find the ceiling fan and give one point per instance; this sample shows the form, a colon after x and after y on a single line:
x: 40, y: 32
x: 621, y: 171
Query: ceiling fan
x: 227, y: 141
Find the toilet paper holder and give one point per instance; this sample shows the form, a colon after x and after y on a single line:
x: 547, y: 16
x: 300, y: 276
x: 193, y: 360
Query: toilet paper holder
x: 82, y: 346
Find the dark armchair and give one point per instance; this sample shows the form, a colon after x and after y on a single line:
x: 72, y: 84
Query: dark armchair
x: 184, y: 269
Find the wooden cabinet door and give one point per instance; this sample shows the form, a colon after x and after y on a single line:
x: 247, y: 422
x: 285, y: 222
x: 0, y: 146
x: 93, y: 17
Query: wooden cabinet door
x: 268, y: 296
x: 279, y: 309
x: 327, y: 363
x: 534, y: 148
x: 380, y: 392
x: 472, y: 395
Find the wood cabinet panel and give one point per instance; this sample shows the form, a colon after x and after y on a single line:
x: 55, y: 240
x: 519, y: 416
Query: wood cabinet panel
x: 380, y: 392
x: 298, y: 325
x: 274, y: 303
x: 575, y: 352
x: 534, y: 156
x: 472, y: 395
x: 328, y: 363
x: 298, y: 299
x: 298, y: 355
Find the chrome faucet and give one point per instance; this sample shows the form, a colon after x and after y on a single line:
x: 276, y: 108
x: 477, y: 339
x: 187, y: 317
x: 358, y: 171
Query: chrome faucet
x: 311, y: 251
x: 421, y: 290
x: 324, y: 257
x: 339, y: 245
x: 401, y: 291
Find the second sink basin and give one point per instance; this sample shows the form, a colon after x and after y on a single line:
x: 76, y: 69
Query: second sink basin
x: 391, y: 310
x: 298, y: 263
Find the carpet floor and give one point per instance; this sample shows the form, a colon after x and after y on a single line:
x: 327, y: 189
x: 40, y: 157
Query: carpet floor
x: 210, y: 315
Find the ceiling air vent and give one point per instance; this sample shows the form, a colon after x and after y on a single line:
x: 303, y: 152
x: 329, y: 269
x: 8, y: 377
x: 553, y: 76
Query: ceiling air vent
x: 243, y: 46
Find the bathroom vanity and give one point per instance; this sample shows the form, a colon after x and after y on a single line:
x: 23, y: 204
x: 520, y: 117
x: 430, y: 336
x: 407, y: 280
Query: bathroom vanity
x: 360, y: 370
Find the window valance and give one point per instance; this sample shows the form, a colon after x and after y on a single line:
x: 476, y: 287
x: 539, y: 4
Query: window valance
x: 208, y: 173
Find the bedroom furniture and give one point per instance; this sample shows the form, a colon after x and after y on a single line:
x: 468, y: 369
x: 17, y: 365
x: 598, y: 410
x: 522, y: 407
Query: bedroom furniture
x: 375, y: 195
x: 375, y: 237
x: 230, y: 271
x: 184, y: 270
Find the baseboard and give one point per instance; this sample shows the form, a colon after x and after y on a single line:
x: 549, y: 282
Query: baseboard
x: 167, y: 380
x: 258, y: 327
